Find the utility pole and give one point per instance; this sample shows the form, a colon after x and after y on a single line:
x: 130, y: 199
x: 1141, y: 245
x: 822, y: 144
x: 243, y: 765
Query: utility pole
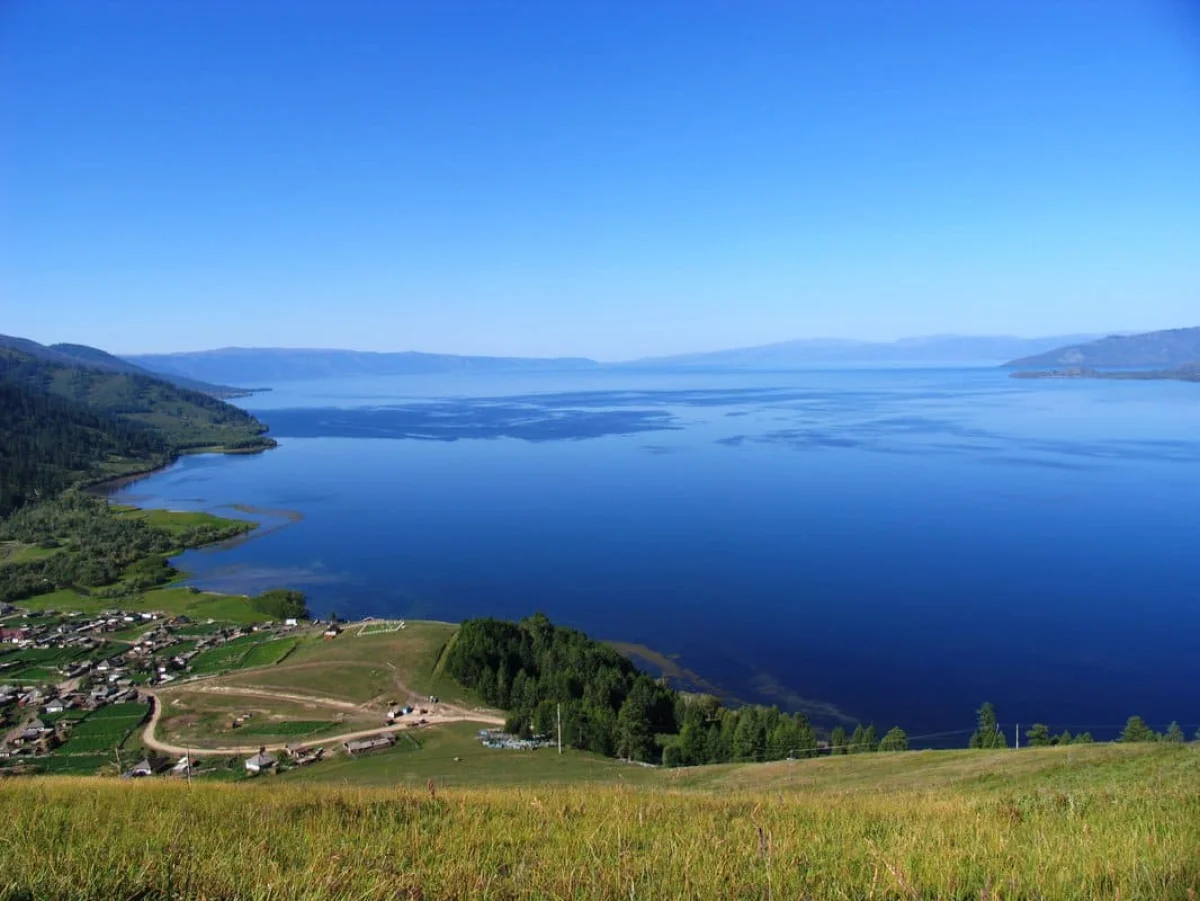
x: 189, y: 764
x: 559, y: 708
x: 1017, y: 737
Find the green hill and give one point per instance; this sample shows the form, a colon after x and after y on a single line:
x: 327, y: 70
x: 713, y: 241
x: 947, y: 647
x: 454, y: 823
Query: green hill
x: 50, y: 443
x: 65, y: 424
x: 94, y: 358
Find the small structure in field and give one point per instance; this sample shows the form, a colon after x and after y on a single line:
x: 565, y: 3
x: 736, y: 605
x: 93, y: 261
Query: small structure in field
x: 363, y: 745
x: 140, y: 770
x: 261, y: 762
x: 302, y: 755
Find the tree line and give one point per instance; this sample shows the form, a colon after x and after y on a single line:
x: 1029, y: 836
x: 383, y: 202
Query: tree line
x: 988, y: 733
x: 556, y: 681
x: 550, y: 678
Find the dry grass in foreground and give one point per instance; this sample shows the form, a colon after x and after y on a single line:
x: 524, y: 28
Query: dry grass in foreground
x: 1133, y: 835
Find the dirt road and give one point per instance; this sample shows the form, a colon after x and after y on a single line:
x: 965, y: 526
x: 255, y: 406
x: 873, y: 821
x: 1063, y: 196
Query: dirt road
x: 447, y: 714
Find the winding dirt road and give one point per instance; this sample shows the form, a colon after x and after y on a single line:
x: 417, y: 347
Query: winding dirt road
x: 447, y: 714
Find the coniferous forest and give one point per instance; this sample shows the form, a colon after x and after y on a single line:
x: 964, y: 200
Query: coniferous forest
x: 64, y: 425
x: 49, y: 443
x: 539, y: 671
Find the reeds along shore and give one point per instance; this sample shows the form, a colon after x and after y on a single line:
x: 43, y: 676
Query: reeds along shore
x: 1131, y: 839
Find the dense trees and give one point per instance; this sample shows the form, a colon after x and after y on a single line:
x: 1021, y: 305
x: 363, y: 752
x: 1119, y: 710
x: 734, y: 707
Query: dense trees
x: 535, y: 670
x: 182, y: 418
x: 1038, y: 736
x: 97, y: 548
x: 63, y: 425
x: 48, y: 443
x: 281, y: 603
x: 895, y: 740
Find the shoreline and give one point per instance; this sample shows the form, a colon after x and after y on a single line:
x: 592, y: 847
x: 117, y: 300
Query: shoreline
x: 103, y: 487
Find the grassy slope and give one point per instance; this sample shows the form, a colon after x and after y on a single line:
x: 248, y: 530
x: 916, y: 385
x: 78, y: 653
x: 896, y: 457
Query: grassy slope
x: 361, y: 668
x: 1096, y: 822
x: 366, y: 670
x: 171, y: 600
x: 426, y: 754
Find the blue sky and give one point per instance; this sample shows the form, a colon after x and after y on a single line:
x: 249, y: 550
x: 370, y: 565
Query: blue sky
x: 605, y: 179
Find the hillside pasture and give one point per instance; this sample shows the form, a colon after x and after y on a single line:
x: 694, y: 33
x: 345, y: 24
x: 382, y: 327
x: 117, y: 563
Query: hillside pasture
x: 1101, y: 823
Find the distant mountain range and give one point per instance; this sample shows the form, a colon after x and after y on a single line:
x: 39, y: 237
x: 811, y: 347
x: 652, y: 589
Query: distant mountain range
x: 93, y: 358
x: 256, y: 366
x: 1171, y: 348
x: 259, y: 365
x: 934, y: 350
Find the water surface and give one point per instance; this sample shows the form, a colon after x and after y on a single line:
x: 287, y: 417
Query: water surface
x: 894, y: 546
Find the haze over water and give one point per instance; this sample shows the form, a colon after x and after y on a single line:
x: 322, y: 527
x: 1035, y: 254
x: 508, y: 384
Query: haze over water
x: 891, y: 546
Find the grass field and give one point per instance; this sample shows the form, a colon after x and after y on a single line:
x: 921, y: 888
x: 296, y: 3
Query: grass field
x: 206, y: 720
x: 1059, y: 823
x: 171, y: 599
x: 31, y: 665
x: 362, y: 668
x: 350, y: 681
x: 93, y: 742
x: 179, y: 521
x: 227, y: 656
x: 269, y: 653
x: 15, y: 552
x: 424, y: 754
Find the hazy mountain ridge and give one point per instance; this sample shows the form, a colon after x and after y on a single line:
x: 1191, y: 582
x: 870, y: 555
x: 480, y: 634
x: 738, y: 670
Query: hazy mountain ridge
x: 274, y: 364
x: 263, y: 365
x: 94, y: 358
x: 930, y: 350
x: 1171, y: 348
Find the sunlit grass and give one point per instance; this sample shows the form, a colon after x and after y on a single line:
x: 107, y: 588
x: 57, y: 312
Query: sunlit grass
x: 1124, y: 825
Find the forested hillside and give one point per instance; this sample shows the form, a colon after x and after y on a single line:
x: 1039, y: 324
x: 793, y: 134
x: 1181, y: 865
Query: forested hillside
x: 67, y: 424
x: 537, y: 671
x: 94, y: 358
x: 49, y: 443
x: 186, y: 419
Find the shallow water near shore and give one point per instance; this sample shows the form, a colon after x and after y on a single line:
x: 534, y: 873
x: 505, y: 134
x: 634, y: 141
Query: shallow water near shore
x: 892, y: 546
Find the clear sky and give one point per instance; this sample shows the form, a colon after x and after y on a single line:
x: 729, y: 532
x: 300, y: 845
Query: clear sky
x: 608, y: 179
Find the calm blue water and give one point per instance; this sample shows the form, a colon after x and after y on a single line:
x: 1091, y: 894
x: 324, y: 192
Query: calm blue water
x: 894, y: 546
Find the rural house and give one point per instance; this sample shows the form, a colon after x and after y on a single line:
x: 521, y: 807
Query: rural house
x: 369, y: 744
x: 261, y: 762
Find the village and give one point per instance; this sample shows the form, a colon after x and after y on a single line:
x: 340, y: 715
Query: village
x: 79, y: 694
x: 59, y: 671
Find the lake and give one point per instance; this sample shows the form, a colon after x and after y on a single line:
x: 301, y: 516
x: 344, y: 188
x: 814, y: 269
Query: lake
x: 893, y: 546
